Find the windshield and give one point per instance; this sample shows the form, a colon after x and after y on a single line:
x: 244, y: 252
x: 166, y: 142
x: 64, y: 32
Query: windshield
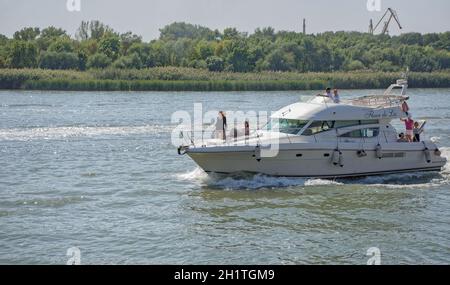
x: 287, y: 126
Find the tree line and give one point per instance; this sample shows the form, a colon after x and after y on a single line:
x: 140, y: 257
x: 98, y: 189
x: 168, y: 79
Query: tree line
x: 98, y: 46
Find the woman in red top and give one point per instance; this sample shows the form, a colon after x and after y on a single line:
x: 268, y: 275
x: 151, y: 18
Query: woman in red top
x: 409, y: 125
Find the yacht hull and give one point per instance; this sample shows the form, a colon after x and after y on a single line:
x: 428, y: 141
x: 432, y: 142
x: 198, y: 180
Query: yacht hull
x: 318, y: 162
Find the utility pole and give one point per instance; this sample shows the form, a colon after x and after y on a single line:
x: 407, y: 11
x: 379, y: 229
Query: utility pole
x: 304, y: 26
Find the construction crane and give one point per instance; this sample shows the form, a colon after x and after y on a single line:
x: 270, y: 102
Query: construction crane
x: 392, y: 15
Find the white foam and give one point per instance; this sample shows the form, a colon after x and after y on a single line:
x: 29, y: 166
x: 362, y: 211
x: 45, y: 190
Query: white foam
x: 250, y: 181
x: 195, y: 175
x: 445, y: 152
x: 435, y: 139
x: 321, y: 182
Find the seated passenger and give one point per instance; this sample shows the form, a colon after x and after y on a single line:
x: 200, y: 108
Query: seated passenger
x: 402, y: 138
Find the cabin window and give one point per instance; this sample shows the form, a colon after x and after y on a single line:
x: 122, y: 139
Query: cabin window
x: 363, y: 133
x: 287, y: 126
x: 369, y: 122
x: 318, y: 127
x: 344, y: 124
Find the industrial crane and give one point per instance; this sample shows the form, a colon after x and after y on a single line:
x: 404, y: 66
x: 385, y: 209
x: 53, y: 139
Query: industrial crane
x: 392, y: 15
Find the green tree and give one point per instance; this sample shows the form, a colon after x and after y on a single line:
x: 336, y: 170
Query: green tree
x: 49, y: 35
x: 354, y: 65
x: 110, y: 46
x: 280, y: 60
x: 52, y: 33
x: 179, y: 30
x: 131, y: 61
x: 98, y: 60
x: 215, y: 63
x: 22, y: 54
x: 92, y: 30
x: 58, y: 60
x: 204, y: 49
x: 232, y: 34
x: 238, y: 57
x: 27, y: 34
x: 63, y: 44
x: 127, y: 40
x: 82, y: 60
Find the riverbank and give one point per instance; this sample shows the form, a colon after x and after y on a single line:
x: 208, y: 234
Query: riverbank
x: 189, y: 79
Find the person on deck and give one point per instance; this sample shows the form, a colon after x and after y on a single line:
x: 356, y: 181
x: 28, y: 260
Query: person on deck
x: 246, y: 129
x: 224, y: 125
x: 409, y: 125
x: 417, y: 131
x: 219, y: 126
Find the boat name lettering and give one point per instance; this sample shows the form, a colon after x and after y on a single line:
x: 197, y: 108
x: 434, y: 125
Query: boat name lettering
x: 384, y: 114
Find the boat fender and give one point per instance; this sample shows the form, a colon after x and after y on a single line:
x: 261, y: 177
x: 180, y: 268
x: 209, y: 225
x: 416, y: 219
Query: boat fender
x: 379, y: 151
x: 181, y: 150
x: 361, y: 153
x: 341, y: 159
x: 258, y: 153
x: 335, y: 158
x: 427, y: 154
x: 437, y: 152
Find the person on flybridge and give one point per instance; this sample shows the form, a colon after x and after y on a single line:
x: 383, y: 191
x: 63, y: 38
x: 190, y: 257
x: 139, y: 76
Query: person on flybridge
x: 336, y: 97
x: 328, y: 93
x: 332, y: 96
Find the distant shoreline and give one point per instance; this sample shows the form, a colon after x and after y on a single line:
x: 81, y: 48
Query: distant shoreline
x: 189, y: 79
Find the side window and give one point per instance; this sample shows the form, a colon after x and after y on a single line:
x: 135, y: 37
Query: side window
x: 318, y: 127
x: 370, y: 133
x: 343, y: 124
x: 364, y: 133
x: 369, y: 122
x: 352, y: 134
x: 287, y: 126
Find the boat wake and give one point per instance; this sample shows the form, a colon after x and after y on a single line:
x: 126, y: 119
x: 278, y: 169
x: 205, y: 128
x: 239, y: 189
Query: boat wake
x: 421, y: 180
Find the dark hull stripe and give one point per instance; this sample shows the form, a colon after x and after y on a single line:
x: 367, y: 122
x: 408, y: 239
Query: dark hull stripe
x: 305, y: 149
x: 353, y: 175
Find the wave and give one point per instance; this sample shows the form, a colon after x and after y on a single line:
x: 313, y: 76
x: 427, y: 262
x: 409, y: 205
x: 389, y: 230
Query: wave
x: 27, y: 105
x: 54, y: 133
x: 52, y: 202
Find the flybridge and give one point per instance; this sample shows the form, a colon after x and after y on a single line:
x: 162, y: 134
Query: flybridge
x: 384, y: 106
x: 318, y: 111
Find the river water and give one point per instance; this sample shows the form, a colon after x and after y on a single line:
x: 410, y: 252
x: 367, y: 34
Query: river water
x: 97, y: 171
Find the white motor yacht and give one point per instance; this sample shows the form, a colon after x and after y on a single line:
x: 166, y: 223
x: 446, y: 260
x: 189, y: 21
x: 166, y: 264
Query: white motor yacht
x: 320, y: 138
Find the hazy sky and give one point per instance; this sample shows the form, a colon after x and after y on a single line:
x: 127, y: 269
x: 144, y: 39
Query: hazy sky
x: 145, y: 17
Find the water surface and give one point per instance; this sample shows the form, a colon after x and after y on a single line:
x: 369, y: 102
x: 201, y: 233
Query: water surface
x: 96, y: 170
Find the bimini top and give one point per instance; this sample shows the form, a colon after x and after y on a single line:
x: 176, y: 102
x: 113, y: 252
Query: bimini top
x: 342, y: 111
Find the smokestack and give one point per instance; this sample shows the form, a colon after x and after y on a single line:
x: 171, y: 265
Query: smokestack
x: 304, y: 26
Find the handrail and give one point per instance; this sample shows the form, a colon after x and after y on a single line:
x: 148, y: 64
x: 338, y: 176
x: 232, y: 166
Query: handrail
x: 189, y: 139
